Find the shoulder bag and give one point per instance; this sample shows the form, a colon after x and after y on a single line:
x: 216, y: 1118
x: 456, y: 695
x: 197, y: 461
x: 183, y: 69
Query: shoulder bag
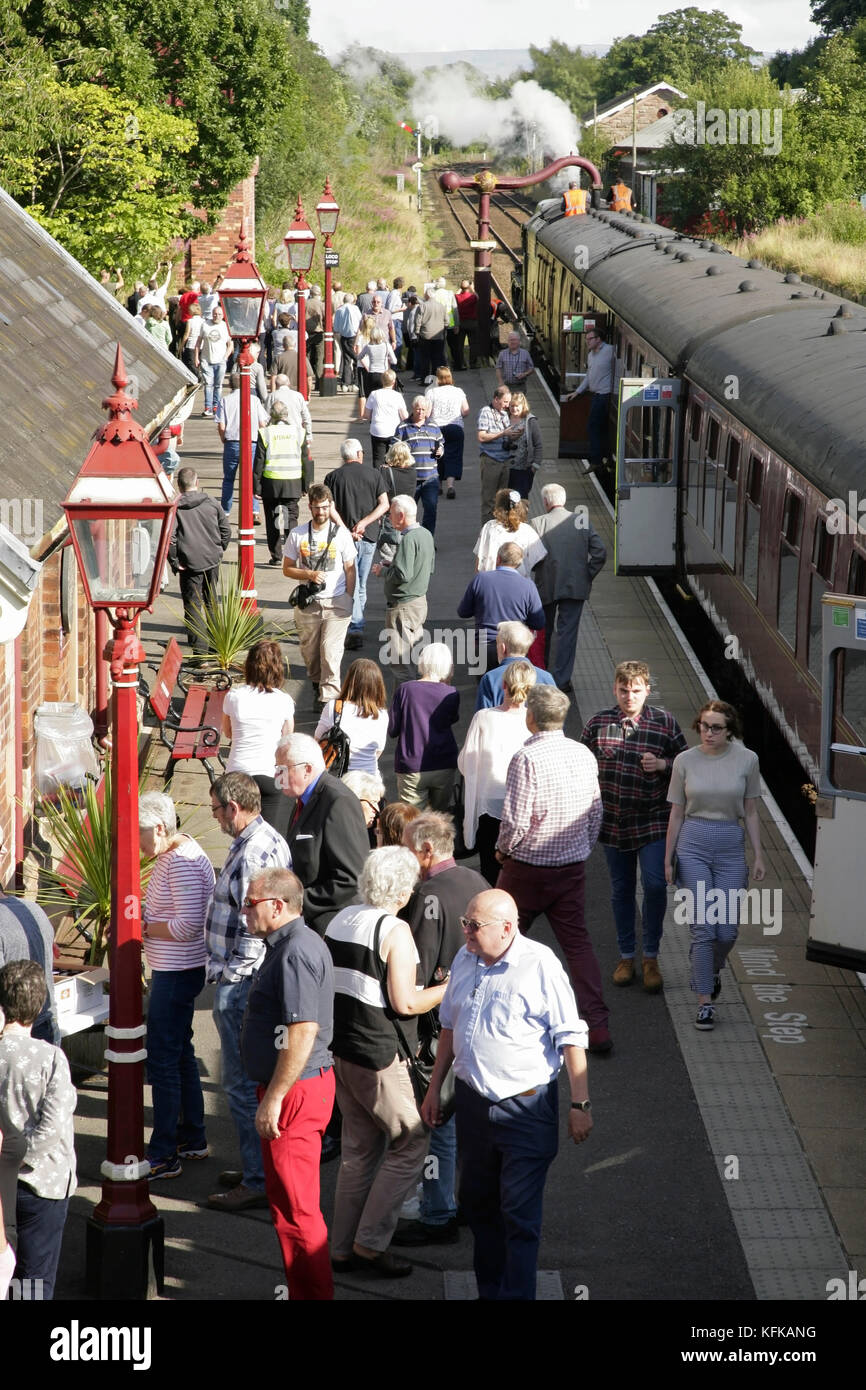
x: 335, y: 745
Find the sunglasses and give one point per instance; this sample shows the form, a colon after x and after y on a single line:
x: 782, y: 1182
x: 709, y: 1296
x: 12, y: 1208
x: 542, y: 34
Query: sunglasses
x: 254, y: 902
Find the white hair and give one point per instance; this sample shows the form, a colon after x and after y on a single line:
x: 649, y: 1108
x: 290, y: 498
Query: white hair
x: 405, y: 504
x: 515, y: 637
x: 420, y: 400
x: 155, y: 808
x: 300, y: 748
x: 367, y: 786
x: 371, y: 285
x: 441, y: 282
x: 435, y: 662
x: 350, y: 449
x: 552, y: 495
x: 388, y: 876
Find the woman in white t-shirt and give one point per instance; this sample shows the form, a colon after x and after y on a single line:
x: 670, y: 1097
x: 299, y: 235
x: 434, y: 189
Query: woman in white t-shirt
x: 256, y: 715
x: 508, y: 524
x: 385, y: 410
x: 446, y: 407
x: 364, y: 715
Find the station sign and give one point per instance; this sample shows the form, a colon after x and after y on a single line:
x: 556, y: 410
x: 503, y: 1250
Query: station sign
x: 332, y: 260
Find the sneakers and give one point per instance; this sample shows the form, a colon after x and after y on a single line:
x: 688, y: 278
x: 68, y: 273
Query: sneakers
x: 207, y: 415
x: 600, y: 1039
x: 165, y: 1168
x: 652, y: 976
x: 196, y: 1155
x: 717, y: 987
x: 624, y: 973
x: 706, y: 1018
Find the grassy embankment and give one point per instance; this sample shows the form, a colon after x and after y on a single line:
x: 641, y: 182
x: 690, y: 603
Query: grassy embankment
x: 829, y: 248
x: 379, y: 232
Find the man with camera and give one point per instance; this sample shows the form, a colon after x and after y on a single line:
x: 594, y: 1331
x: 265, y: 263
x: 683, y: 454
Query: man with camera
x: 320, y: 557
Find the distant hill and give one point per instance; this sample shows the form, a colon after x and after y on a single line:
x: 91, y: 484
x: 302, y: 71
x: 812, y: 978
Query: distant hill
x: 493, y: 62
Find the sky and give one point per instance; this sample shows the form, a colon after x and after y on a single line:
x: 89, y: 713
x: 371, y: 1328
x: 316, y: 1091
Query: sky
x: 398, y: 27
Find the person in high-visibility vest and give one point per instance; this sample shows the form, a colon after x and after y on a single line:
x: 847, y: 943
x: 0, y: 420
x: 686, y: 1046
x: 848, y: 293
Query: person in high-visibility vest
x: 620, y: 197
x: 574, y: 200
x: 279, y: 474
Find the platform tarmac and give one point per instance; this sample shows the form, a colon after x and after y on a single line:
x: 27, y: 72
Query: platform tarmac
x: 723, y: 1166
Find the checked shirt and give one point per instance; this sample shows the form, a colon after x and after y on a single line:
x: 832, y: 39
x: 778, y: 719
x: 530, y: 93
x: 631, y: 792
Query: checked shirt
x: 231, y: 952
x: 635, y: 802
x: 552, y: 809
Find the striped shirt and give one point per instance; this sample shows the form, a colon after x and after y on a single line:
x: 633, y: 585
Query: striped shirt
x: 178, y: 892
x: 426, y: 443
x: 552, y: 811
x: 231, y: 952
x: 363, y: 1031
x: 635, y: 802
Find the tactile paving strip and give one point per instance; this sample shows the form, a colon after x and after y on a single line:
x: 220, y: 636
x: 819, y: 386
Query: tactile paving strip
x: 460, y: 1286
x: 785, y: 1225
x: 797, y: 1284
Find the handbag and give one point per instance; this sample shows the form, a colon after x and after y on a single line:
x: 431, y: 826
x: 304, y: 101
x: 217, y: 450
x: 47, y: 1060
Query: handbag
x: 420, y: 1063
x: 335, y: 745
x: 457, y: 813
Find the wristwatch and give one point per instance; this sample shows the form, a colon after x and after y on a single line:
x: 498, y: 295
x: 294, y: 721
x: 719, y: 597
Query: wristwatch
x: 581, y: 1105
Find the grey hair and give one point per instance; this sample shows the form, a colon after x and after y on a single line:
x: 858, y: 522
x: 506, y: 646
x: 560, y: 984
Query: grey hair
x: 548, y: 706
x: 367, y: 786
x: 300, y: 748
x: 350, y: 449
x: 405, y: 504
x: 279, y: 411
x: 155, y: 808
x: 419, y: 400
x: 553, y: 495
x: 281, y: 379
x: 434, y: 827
x: 515, y: 637
x: 388, y: 876
x: 280, y: 883
x: 436, y: 661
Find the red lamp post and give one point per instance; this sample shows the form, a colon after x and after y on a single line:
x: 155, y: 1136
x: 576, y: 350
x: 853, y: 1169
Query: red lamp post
x: 328, y: 214
x: 300, y: 242
x: 242, y: 294
x: 120, y: 512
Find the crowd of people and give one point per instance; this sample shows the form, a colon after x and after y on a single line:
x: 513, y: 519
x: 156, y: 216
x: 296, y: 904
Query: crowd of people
x: 375, y: 998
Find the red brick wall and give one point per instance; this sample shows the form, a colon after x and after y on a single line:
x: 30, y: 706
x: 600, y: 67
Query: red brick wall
x: 207, y: 255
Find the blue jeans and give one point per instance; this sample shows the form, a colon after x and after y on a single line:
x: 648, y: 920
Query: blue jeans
x: 172, y: 1069
x: 438, y: 1203
x: 506, y: 1148
x: 622, y: 867
x: 711, y: 854
x: 231, y: 460
x: 427, y: 491
x: 596, y: 425
x: 228, y: 1012
x: 364, y: 552
x: 212, y: 375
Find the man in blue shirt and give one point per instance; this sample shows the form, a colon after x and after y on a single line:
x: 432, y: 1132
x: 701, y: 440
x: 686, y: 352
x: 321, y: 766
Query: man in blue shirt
x: 501, y: 595
x: 513, y: 641
x: 509, y: 1022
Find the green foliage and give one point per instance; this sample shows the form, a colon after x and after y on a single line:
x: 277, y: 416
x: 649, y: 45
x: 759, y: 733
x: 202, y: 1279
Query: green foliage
x: 229, y: 626
x: 835, y: 16
x: 567, y: 72
x: 683, y: 47
x: 792, y: 69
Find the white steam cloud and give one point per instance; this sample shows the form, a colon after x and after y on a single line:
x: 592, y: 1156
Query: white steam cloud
x: 531, y: 121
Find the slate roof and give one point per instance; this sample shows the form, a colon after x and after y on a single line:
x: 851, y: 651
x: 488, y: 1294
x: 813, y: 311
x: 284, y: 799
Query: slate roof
x: 59, y: 331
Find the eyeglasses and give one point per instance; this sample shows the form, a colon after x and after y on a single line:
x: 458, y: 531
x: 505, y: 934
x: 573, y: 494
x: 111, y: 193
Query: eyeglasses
x: 254, y: 902
x: 712, y: 728
x: 470, y: 924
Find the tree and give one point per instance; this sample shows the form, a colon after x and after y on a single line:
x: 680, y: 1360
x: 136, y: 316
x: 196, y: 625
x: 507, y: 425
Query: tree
x: 835, y: 16
x: 567, y: 72
x: 791, y: 69
x: 683, y: 47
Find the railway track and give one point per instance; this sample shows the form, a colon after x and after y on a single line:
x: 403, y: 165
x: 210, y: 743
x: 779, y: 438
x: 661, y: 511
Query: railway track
x: 507, y: 254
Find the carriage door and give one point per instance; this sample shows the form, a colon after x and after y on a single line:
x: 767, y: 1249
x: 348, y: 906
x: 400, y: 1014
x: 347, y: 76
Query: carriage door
x: 837, y: 928
x: 647, y: 460
x: 574, y: 415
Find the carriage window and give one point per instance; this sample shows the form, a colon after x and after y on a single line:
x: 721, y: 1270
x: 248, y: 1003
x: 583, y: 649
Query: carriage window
x: 857, y: 574
x: 789, y: 567
x: 823, y: 549
x: 823, y: 561
x: 713, y: 439
x: 696, y: 423
x: 729, y: 502
x: 752, y: 525
x: 848, y: 770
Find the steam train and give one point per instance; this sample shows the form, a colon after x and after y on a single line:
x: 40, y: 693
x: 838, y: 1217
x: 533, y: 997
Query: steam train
x: 764, y: 453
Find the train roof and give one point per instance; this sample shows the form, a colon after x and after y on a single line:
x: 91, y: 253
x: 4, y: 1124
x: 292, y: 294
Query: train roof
x: 787, y: 360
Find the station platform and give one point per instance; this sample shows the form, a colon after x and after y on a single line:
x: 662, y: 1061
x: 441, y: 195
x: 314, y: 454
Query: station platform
x: 723, y: 1166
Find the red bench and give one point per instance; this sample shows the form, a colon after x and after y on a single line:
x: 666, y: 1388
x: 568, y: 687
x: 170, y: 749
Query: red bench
x: 195, y: 732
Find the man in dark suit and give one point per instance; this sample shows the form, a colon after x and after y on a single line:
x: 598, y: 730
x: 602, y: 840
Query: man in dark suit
x: 575, y: 554
x: 327, y: 832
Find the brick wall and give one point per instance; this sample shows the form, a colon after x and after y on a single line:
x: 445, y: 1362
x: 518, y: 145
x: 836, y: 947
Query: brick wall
x: 207, y: 255
x: 618, y: 126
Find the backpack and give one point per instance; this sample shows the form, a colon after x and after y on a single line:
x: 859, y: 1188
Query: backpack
x: 335, y: 745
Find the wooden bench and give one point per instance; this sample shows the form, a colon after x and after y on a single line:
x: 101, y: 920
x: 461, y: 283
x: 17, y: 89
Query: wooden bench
x: 196, y: 731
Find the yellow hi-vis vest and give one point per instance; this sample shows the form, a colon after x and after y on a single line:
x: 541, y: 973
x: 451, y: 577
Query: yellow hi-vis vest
x: 282, y: 446
x: 575, y: 201
x: 621, y: 201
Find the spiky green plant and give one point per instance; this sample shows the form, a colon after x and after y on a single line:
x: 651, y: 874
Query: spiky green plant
x: 229, y: 626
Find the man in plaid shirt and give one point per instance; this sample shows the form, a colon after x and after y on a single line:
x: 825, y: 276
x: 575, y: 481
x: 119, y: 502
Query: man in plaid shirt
x: 550, y: 822
x: 233, y: 957
x: 635, y: 744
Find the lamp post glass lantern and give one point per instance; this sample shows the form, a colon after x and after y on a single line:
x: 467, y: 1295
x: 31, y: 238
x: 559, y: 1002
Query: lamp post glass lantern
x: 328, y: 215
x: 120, y: 511
x: 300, y: 242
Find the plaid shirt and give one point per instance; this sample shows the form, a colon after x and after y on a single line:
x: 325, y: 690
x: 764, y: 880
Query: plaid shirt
x: 635, y: 802
x: 231, y: 952
x: 492, y: 421
x: 552, y: 809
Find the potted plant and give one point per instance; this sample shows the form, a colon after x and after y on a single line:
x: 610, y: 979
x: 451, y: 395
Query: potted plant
x: 229, y: 627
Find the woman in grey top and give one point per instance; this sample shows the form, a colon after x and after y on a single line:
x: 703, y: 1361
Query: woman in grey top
x: 713, y: 788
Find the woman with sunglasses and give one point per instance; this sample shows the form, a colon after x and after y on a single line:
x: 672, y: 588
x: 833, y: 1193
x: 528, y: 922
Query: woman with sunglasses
x: 713, y: 788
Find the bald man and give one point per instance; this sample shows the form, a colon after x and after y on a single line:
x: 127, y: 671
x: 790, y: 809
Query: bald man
x: 509, y: 1022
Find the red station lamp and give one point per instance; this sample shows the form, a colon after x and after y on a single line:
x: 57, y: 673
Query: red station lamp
x: 242, y: 294
x: 328, y: 215
x: 300, y: 242
x: 120, y: 512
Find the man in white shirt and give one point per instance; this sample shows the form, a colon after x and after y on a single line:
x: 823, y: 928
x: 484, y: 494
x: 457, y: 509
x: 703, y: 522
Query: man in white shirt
x: 322, y: 554
x: 509, y: 1022
x: 228, y: 418
x: 156, y: 292
x: 215, y: 347
x: 600, y: 365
